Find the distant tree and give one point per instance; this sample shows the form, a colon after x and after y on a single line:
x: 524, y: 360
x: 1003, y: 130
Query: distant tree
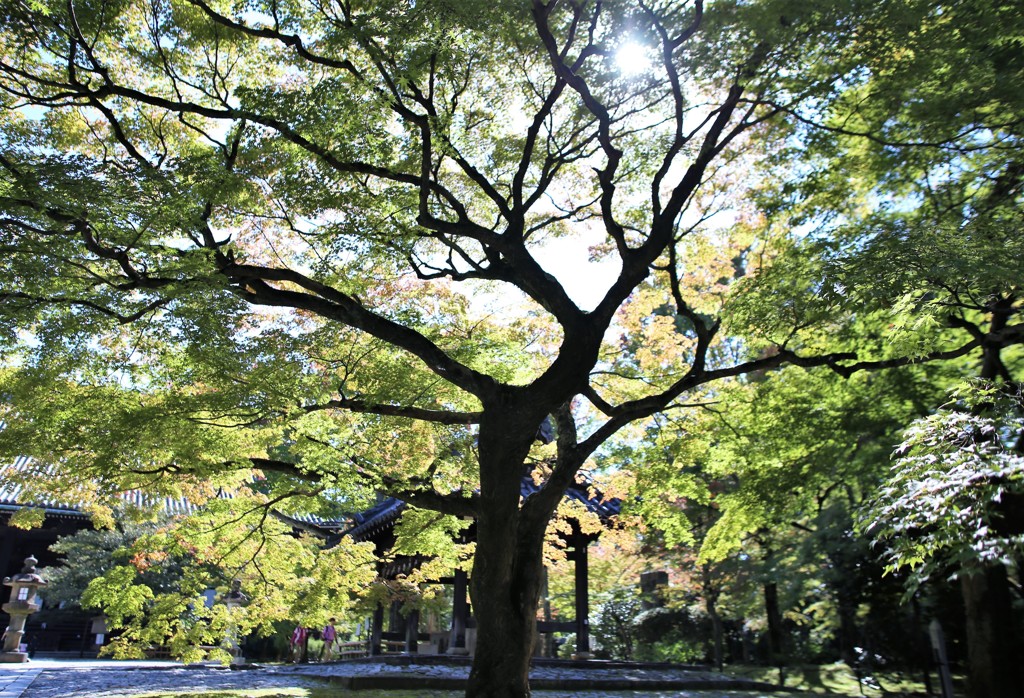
x: 614, y: 625
x: 913, y: 177
x: 91, y: 553
x: 952, y: 499
x: 153, y: 580
x: 953, y: 505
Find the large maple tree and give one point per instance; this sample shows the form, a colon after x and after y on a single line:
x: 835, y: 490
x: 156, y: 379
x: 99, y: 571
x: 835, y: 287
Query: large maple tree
x: 270, y: 237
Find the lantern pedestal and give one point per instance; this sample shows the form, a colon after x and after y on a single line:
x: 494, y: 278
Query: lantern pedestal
x: 19, y: 612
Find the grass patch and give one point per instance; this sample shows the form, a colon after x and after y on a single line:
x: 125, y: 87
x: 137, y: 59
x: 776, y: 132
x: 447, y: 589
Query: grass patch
x: 243, y: 693
x: 838, y: 679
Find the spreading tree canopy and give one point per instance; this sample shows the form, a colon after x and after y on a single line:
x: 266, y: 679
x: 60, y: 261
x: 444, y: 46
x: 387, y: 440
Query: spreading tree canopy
x: 953, y: 500
x: 310, y: 245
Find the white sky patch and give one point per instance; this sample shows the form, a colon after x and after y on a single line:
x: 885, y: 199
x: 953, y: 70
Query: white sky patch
x: 568, y: 260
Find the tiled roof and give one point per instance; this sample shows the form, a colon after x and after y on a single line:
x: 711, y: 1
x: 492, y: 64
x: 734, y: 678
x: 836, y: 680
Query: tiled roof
x: 362, y: 526
x: 12, y: 492
x: 13, y: 497
x: 377, y: 517
x: 582, y: 492
x: 382, y: 515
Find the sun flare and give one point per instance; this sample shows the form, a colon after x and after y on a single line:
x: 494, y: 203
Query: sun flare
x: 632, y: 59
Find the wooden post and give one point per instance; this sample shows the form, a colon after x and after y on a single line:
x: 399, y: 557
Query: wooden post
x: 457, y: 642
x: 582, y: 596
x: 6, y: 551
x: 412, y: 632
x: 376, y: 629
x: 548, y: 646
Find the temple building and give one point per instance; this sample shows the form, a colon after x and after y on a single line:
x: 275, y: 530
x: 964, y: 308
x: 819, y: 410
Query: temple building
x: 377, y: 525
x: 390, y: 629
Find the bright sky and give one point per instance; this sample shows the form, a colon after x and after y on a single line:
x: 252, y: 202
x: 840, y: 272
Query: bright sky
x: 633, y: 58
x: 567, y: 259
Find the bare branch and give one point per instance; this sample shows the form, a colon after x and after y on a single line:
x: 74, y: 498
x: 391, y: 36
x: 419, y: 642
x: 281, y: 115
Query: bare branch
x: 409, y: 412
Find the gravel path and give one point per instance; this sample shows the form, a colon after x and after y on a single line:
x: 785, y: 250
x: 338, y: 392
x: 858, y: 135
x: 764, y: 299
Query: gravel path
x: 108, y: 679
x: 91, y: 682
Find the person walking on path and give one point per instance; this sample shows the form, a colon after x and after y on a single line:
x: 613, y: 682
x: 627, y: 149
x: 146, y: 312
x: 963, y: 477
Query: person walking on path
x: 329, y: 635
x: 300, y: 636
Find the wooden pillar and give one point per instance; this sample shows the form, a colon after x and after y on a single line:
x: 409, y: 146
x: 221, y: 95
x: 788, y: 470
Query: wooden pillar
x: 412, y: 632
x: 396, y: 621
x: 460, y: 613
x: 376, y: 629
x: 547, y: 647
x: 7, y: 568
x: 582, y: 596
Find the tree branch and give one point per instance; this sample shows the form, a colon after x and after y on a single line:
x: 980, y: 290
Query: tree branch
x: 422, y: 414
x: 628, y: 412
x: 326, y: 301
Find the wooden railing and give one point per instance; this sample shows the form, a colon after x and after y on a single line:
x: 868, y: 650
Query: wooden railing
x: 351, y: 650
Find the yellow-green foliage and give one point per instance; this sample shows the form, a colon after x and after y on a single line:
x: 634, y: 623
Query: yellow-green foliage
x: 282, y: 575
x: 27, y: 518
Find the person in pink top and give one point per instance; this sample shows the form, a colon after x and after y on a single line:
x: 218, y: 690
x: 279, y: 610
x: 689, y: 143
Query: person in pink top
x: 298, y: 643
x: 329, y: 635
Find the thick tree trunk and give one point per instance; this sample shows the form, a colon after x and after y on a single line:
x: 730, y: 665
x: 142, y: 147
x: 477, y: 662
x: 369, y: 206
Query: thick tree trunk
x: 505, y: 583
x: 992, y: 644
x: 717, y: 635
x: 505, y: 589
x: 847, y: 611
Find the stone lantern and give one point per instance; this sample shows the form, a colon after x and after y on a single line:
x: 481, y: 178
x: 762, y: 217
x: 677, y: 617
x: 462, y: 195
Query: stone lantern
x: 24, y: 586
x: 233, y: 599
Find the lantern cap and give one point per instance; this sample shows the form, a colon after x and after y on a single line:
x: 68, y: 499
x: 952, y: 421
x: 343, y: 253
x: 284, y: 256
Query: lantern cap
x: 28, y: 574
